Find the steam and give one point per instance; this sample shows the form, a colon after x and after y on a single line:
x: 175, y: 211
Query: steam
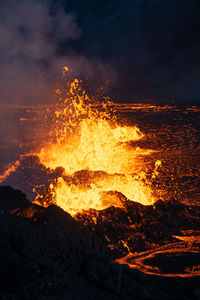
x: 37, y: 39
x: 31, y: 35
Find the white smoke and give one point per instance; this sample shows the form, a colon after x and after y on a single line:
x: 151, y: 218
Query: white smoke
x: 29, y: 35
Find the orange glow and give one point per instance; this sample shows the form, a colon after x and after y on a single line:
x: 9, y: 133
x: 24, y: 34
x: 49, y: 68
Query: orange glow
x: 140, y: 260
x: 65, y: 69
x: 95, y: 153
x: 10, y: 169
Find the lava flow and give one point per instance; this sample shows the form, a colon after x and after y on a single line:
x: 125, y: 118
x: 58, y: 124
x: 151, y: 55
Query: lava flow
x: 97, y: 165
x: 95, y: 153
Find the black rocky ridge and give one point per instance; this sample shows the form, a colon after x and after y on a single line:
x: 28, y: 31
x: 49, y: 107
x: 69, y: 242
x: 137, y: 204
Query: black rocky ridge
x: 47, y: 254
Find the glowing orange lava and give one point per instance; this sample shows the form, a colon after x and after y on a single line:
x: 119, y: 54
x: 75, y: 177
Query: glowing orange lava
x: 9, y: 169
x: 95, y: 153
x: 141, y: 260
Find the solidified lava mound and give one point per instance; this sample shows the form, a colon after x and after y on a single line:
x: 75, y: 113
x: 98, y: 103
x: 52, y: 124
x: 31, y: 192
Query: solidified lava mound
x: 47, y: 254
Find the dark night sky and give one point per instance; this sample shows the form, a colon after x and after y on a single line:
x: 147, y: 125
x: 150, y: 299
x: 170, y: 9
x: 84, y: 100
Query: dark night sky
x: 154, y: 45
x: 147, y: 49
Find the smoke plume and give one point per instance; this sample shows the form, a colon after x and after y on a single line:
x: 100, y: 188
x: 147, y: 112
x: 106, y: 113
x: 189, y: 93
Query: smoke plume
x: 32, y: 34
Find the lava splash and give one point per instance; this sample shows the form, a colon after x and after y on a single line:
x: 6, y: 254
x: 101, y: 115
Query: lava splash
x: 96, y: 153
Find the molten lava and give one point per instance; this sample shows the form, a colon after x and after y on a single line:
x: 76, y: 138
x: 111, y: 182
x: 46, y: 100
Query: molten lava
x: 94, y: 160
x: 95, y: 153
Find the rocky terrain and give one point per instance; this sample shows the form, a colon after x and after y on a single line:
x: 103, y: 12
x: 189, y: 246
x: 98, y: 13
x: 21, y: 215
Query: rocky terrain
x: 47, y: 254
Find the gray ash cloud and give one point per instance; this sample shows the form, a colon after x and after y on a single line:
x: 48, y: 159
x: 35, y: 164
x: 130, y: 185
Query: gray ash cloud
x: 29, y: 37
x: 32, y: 36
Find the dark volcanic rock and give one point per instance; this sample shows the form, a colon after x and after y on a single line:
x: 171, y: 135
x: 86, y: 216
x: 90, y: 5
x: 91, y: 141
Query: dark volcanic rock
x: 43, y: 256
x: 11, y: 199
x: 47, y: 254
x: 137, y: 227
x: 31, y: 174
